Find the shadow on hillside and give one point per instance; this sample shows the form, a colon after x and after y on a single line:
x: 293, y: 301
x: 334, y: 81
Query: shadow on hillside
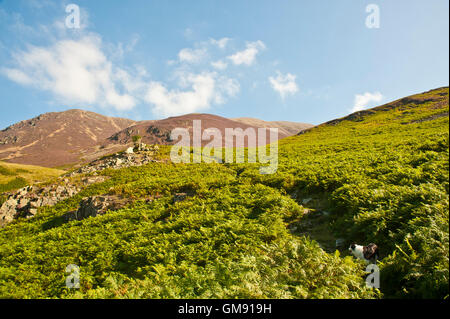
x: 53, y: 223
x: 316, y: 223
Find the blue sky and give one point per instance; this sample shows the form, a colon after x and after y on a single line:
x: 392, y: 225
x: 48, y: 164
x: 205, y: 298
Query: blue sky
x: 305, y: 61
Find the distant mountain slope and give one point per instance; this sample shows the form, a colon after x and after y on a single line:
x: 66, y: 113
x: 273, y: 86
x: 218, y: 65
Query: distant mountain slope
x: 158, y: 132
x: 285, y: 128
x: 54, y: 139
x: 77, y: 136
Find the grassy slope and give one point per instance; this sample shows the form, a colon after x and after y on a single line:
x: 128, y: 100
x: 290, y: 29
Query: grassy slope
x: 13, y: 176
x: 383, y: 177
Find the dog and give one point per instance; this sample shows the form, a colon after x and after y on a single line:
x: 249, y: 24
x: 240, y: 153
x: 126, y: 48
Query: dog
x: 367, y: 253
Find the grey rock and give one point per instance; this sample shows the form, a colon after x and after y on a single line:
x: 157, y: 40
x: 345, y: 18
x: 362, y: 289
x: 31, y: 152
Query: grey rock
x: 69, y: 216
x: 178, y: 197
x: 8, y: 211
x: 10, y: 203
x: 36, y: 203
x: 22, y: 203
x: 94, y: 206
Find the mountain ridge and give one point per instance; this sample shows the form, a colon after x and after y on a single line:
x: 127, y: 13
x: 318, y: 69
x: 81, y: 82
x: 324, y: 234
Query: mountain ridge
x: 55, y: 138
x: 76, y: 136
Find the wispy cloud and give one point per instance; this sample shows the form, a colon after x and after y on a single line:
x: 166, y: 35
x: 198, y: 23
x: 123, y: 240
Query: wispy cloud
x: 221, y: 43
x: 220, y: 65
x: 284, y: 84
x: 191, y: 55
x: 247, y: 56
x: 127, y: 47
x: 79, y: 69
x: 362, y: 101
x: 188, y: 33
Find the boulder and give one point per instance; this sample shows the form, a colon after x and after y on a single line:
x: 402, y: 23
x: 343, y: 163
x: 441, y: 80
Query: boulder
x: 69, y: 216
x: 36, y: 203
x: 8, y: 211
x: 178, y: 197
x: 93, y: 179
x: 95, y: 205
x: 23, y: 202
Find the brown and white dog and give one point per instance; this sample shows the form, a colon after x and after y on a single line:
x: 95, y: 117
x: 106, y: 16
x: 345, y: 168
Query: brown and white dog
x: 367, y: 253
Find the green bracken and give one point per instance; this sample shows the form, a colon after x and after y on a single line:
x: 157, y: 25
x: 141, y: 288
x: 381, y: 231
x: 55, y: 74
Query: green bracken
x: 382, y: 173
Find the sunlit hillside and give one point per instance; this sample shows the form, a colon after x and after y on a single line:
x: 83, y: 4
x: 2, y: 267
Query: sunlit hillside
x: 376, y: 176
x: 13, y: 176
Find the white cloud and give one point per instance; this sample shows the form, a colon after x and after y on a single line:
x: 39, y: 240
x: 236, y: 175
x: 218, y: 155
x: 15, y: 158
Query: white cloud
x: 121, y: 49
x: 363, y: 100
x: 205, y: 89
x: 226, y: 88
x: 222, y: 43
x: 75, y: 71
x: 78, y: 69
x: 191, y: 55
x: 17, y: 76
x: 132, y: 84
x: 284, y: 84
x: 248, y: 55
x: 220, y: 65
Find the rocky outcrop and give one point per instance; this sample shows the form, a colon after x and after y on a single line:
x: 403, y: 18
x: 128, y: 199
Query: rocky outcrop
x: 95, y: 205
x: 26, y: 201
x: 88, y: 180
x: 143, y: 155
x: 142, y: 147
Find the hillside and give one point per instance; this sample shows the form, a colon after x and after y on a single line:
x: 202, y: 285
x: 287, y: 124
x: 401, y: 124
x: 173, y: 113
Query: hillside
x: 55, y: 139
x: 285, y: 128
x: 158, y: 132
x: 165, y: 230
x: 76, y: 137
x: 13, y: 176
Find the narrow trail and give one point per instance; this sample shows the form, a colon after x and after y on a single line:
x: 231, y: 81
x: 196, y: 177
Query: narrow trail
x: 316, y: 223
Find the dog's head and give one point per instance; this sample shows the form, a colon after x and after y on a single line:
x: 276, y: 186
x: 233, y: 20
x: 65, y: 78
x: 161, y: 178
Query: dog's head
x: 352, y: 247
